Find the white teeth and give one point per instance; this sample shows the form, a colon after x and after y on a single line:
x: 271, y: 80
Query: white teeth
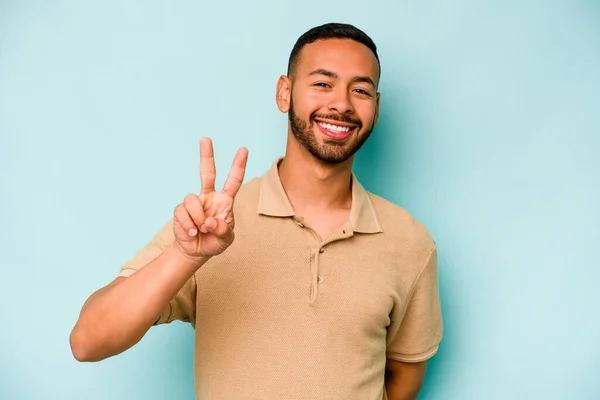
x: 335, y: 128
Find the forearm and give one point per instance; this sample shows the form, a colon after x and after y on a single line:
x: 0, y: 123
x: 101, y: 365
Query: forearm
x: 116, y: 317
x: 400, y: 391
x: 403, y: 381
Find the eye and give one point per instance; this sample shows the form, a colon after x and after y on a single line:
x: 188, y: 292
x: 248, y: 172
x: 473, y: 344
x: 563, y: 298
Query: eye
x: 362, y: 91
x: 322, y: 84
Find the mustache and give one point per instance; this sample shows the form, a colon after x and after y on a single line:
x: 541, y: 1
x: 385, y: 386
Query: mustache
x: 337, y: 117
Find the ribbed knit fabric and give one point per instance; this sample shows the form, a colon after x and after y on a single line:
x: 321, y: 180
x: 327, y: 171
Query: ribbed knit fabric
x: 281, y: 316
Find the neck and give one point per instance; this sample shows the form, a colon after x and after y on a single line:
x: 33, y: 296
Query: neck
x: 312, y: 184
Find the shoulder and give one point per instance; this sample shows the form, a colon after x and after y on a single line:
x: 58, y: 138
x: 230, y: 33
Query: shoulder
x: 250, y: 189
x: 247, y: 197
x: 402, y: 230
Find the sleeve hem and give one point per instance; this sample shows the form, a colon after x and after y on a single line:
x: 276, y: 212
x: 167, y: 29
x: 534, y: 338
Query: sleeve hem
x: 126, y: 272
x: 413, y: 358
x: 165, y: 316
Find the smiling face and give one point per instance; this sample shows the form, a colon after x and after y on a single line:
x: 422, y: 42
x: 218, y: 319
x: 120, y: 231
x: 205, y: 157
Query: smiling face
x: 331, y: 98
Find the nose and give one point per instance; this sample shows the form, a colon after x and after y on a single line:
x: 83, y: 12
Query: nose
x: 340, y: 102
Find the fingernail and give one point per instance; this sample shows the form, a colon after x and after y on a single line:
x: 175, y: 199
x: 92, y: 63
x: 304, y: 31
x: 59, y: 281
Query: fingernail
x: 211, y: 223
x: 192, y: 232
x: 203, y: 228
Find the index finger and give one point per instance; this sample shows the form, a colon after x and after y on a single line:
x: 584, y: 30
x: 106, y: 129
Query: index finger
x: 208, y: 172
x: 236, y: 174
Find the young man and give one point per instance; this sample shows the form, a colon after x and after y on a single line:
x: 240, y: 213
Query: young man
x: 326, y: 291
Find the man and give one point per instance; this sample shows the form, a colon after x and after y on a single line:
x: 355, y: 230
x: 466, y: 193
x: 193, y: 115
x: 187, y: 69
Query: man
x: 326, y: 291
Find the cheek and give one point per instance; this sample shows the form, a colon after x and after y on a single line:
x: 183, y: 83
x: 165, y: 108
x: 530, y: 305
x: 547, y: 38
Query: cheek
x: 307, y: 102
x: 366, y: 112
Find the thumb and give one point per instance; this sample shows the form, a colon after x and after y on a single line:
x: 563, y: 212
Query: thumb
x: 221, y: 230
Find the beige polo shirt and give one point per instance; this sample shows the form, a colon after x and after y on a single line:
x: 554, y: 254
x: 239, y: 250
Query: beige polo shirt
x: 283, y: 315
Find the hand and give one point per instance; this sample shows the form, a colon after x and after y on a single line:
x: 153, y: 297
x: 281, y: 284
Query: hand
x: 203, y: 224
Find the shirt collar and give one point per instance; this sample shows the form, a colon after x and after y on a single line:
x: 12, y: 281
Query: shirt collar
x: 273, y: 201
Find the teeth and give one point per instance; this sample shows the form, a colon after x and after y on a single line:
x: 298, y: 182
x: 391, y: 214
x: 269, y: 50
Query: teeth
x: 335, y: 128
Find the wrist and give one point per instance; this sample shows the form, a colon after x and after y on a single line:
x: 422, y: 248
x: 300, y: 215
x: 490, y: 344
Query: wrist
x: 184, y: 259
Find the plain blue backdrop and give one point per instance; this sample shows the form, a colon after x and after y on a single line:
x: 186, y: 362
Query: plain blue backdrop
x: 489, y: 135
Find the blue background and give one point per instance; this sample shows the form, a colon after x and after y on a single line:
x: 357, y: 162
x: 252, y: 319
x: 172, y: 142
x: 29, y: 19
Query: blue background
x: 489, y: 135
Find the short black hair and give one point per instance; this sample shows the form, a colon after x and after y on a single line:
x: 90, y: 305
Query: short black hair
x: 330, y: 31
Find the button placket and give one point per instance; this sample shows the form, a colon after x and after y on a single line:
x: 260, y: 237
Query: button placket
x: 314, y: 277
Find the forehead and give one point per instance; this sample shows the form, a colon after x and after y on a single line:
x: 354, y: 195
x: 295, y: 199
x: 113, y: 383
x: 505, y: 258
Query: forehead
x: 345, y: 57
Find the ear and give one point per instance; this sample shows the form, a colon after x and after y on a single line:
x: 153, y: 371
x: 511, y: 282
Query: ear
x: 376, y: 110
x: 282, y: 96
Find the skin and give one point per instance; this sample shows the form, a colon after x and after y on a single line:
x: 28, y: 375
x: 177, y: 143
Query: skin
x: 335, y: 81
x: 403, y: 381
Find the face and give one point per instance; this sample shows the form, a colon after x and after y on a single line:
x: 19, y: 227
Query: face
x: 331, y: 98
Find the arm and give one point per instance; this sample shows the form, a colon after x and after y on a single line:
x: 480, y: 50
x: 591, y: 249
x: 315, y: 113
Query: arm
x: 403, y: 381
x: 415, y: 337
x: 117, y: 316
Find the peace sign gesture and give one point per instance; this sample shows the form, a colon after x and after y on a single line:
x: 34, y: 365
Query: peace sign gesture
x: 203, y: 224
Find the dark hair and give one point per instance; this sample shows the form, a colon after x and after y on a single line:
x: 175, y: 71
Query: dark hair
x: 330, y: 31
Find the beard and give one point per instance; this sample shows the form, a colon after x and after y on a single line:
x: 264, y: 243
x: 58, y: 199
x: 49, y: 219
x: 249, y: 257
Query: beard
x: 331, y: 151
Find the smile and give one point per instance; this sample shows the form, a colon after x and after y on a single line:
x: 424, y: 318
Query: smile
x: 336, y: 131
x: 334, y: 128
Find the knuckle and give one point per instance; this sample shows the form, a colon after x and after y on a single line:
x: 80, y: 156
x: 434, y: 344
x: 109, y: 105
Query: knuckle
x: 235, y: 179
x: 180, y: 214
x: 190, y: 200
x: 177, y: 210
x: 194, y: 209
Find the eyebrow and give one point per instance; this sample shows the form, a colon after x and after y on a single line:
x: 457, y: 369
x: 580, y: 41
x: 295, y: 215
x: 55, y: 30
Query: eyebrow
x: 333, y: 75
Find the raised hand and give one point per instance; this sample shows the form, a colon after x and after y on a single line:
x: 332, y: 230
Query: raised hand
x: 203, y: 224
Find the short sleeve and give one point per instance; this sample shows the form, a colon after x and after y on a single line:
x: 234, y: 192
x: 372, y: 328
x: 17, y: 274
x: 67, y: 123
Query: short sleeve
x: 183, y: 306
x: 415, y: 337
